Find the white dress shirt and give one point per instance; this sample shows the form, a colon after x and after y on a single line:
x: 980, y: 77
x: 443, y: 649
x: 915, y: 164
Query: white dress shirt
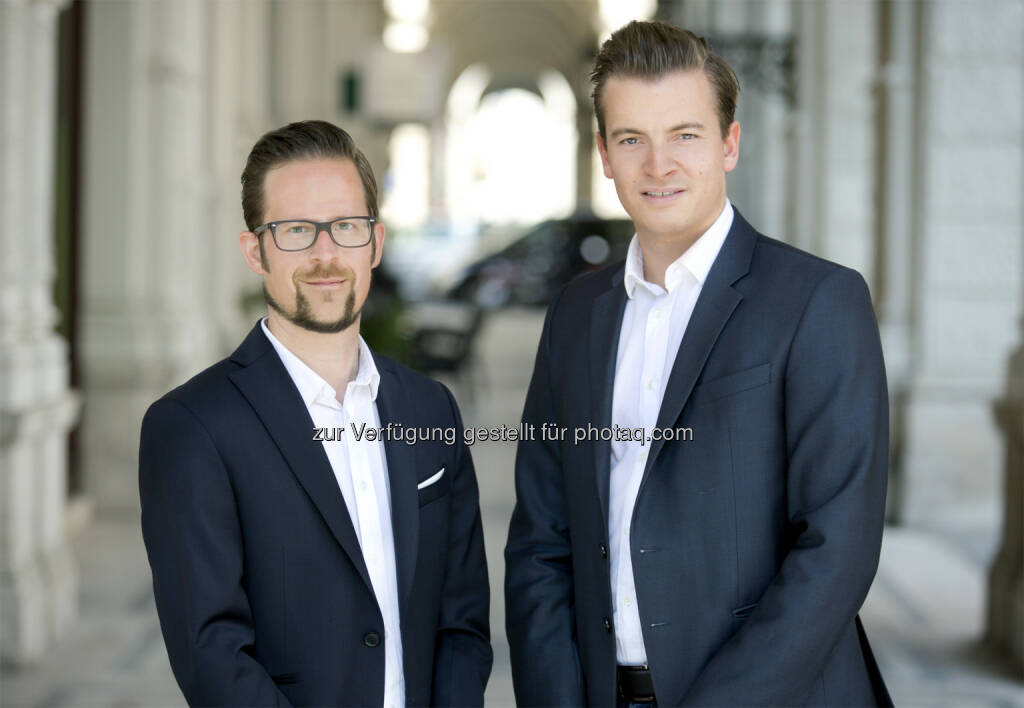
x: 361, y: 469
x: 653, y: 325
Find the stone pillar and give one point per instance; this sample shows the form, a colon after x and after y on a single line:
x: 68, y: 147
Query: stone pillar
x: 1005, y: 617
x: 695, y: 15
x: 146, y: 320
x: 777, y: 178
x: 766, y: 114
x: 899, y: 180
x: 237, y: 115
x: 761, y: 185
x: 834, y: 209
x: 438, y: 165
x: 585, y: 128
x: 38, y: 582
x: 303, y: 76
x: 307, y: 84
x: 586, y: 123
x: 967, y: 293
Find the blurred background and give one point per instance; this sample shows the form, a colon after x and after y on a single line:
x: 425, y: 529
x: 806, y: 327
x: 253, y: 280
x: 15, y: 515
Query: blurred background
x: 885, y: 135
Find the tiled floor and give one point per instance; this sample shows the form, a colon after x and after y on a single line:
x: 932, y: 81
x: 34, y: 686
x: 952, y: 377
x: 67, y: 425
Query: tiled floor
x: 923, y: 614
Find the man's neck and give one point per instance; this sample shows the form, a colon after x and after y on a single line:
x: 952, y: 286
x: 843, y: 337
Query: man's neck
x: 334, y: 357
x: 662, y: 250
x: 659, y: 253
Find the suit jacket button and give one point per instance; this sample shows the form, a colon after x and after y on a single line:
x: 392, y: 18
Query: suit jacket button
x: 607, y: 624
x: 604, y: 551
x: 371, y: 639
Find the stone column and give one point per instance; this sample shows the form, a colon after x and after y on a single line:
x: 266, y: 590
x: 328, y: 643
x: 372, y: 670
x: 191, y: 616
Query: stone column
x: 585, y: 127
x: 834, y: 210
x: 314, y: 43
x: 1005, y: 618
x: 303, y: 77
x: 237, y: 114
x: 760, y: 185
x: 146, y: 320
x: 438, y: 154
x: 768, y: 112
x: 38, y: 582
x: 899, y: 181
x: 967, y: 291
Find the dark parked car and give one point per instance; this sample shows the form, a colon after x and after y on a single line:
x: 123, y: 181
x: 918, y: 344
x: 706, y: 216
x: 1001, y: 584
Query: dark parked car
x: 530, y: 270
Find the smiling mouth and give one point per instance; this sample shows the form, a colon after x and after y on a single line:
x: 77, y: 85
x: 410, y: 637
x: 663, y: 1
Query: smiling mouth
x: 661, y: 193
x: 324, y: 283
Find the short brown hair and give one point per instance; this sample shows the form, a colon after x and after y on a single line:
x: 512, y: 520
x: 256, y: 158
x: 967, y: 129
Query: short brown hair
x: 305, y: 140
x: 652, y: 49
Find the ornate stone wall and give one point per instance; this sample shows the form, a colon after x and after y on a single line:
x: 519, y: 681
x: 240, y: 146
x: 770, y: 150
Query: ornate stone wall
x: 38, y: 583
x: 966, y: 270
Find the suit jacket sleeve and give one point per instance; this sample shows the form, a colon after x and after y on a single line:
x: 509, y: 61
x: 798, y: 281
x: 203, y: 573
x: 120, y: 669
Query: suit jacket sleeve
x: 836, y: 417
x: 193, y: 538
x: 539, y: 602
x: 463, y: 657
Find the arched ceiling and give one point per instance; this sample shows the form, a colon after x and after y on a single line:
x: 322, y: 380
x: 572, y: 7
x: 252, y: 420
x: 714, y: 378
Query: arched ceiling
x: 518, y: 39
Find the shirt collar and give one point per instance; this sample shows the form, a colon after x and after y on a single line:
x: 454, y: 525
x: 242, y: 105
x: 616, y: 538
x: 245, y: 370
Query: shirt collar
x: 696, y: 260
x: 311, y: 385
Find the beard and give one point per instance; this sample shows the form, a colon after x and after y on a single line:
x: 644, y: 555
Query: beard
x: 302, y: 315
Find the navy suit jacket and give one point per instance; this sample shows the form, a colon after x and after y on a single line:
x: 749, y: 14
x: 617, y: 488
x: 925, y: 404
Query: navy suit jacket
x: 260, y: 584
x: 754, y: 543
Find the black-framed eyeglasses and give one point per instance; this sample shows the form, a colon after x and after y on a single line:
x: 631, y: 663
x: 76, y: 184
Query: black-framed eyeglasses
x: 300, y: 234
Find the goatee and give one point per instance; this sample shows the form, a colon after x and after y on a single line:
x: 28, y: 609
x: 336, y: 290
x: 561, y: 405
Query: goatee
x: 303, y: 314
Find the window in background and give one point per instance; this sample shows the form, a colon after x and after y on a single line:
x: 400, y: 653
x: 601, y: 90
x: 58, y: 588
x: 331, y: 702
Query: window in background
x: 406, y: 201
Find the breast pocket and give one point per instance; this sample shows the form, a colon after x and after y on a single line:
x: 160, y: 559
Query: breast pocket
x: 434, y: 485
x: 731, y: 384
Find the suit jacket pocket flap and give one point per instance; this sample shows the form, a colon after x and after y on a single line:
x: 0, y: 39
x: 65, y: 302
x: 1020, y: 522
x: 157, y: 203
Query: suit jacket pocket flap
x: 732, y: 383
x: 440, y: 486
x: 744, y: 612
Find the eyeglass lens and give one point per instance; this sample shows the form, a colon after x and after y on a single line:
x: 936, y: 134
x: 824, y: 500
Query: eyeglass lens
x: 299, y: 235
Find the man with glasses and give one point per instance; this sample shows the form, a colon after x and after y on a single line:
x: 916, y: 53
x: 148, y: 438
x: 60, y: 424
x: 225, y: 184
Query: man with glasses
x: 302, y: 552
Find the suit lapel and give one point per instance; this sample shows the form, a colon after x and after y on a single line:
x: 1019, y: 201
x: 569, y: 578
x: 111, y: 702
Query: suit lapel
x: 265, y: 383
x: 605, y: 325
x: 714, y: 307
x: 393, y: 406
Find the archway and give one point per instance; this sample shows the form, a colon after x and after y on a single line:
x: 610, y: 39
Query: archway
x: 511, y: 148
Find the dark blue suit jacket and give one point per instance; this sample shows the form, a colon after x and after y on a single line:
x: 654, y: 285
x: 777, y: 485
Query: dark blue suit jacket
x: 754, y: 543
x: 261, y: 587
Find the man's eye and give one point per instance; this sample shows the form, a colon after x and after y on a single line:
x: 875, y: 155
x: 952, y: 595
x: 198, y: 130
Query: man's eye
x: 687, y: 136
x: 630, y: 141
x: 298, y: 229
x: 342, y: 226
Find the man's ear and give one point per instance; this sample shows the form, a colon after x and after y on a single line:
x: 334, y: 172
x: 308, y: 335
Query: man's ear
x: 603, y: 150
x: 249, y: 243
x: 732, y: 146
x: 379, y: 233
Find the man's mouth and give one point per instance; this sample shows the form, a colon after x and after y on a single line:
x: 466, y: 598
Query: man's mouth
x: 661, y: 193
x: 324, y: 283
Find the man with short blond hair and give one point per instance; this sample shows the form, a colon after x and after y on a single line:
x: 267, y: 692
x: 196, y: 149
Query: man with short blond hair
x: 720, y: 557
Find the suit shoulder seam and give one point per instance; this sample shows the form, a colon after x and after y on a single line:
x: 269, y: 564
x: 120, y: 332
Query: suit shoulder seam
x: 195, y: 417
x: 837, y: 271
x: 791, y: 250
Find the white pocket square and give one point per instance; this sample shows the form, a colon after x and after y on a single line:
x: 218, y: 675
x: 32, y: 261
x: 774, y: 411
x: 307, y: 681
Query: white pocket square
x: 431, y: 479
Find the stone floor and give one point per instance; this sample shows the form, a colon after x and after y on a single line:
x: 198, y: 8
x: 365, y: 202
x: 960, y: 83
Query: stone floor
x: 924, y: 613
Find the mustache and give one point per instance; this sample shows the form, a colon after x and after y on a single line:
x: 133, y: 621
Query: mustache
x: 324, y: 272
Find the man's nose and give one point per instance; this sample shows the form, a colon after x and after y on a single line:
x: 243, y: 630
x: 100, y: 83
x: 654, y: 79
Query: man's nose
x: 659, y: 162
x: 323, y: 246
